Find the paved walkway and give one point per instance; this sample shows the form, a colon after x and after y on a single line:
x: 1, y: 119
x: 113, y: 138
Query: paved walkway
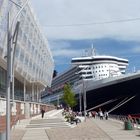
x: 35, y: 128
x: 53, y: 127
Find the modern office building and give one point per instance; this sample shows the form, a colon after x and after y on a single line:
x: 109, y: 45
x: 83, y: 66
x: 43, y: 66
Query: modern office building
x: 34, y: 63
x: 33, y: 67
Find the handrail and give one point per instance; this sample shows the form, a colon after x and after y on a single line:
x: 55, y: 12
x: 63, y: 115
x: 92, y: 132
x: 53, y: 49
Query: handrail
x: 134, y: 120
x: 122, y: 103
x: 105, y: 103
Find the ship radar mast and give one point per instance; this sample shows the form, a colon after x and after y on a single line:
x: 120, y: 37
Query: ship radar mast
x: 89, y: 52
x: 93, y: 52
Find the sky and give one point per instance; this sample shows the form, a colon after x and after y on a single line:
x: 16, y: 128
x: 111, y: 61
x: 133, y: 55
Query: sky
x: 72, y: 26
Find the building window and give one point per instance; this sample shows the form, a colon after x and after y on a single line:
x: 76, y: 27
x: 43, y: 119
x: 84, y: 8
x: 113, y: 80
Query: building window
x: 2, y: 80
x: 22, y: 56
x: 17, y: 51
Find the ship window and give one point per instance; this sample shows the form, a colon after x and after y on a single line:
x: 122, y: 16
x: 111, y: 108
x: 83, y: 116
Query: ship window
x: 88, y: 72
x: 88, y: 77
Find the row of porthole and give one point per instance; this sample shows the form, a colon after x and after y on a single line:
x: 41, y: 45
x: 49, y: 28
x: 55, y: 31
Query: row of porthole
x: 101, y: 75
x: 99, y: 67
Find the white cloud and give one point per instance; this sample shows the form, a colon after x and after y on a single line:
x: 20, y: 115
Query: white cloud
x: 67, y: 12
x: 64, y: 49
x: 65, y: 52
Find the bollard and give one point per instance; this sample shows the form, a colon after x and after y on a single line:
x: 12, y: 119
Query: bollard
x: 138, y: 120
x: 128, y: 125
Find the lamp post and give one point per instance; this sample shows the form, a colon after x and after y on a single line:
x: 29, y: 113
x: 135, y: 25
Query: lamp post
x: 10, y: 66
x: 8, y: 82
x: 84, y: 98
x: 58, y: 100
x: 80, y: 101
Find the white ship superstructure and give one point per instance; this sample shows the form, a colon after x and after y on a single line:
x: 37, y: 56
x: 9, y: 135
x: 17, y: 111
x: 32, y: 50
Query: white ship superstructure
x: 100, y: 66
x: 33, y: 60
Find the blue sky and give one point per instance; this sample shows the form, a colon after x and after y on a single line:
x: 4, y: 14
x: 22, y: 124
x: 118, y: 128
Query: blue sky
x: 105, y: 46
x: 73, y: 26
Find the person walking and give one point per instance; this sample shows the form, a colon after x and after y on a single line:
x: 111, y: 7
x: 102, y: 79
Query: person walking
x: 42, y: 112
x: 101, y: 115
x: 106, y: 115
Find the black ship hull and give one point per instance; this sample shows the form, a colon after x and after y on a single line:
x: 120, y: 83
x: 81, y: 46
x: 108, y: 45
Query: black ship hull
x: 121, y: 97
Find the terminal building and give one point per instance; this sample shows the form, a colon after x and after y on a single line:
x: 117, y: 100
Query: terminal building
x: 33, y: 67
x: 33, y: 59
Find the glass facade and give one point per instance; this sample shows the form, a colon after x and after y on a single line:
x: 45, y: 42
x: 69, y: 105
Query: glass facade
x: 18, y: 86
x: 33, y: 55
x: 19, y: 90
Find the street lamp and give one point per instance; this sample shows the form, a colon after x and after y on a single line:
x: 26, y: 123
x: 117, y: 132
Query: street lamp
x: 84, y: 98
x: 80, y: 101
x: 10, y: 66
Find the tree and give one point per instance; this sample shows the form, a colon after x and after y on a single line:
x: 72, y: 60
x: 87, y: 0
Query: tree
x: 69, y: 96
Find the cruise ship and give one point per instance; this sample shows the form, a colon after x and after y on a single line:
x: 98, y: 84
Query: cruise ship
x: 104, y: 80
x: 107, y: 85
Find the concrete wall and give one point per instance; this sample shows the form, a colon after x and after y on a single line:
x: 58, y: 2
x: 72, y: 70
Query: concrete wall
x: 20, y: 110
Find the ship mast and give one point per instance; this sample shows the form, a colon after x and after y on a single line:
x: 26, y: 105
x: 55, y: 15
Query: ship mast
x: 93, y: 53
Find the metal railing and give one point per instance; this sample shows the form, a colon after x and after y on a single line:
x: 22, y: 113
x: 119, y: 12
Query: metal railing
x: 134, y: 120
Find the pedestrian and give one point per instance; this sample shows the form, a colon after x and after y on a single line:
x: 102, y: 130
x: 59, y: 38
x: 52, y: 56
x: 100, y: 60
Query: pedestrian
x: 93, y: 114
x: 42, y: 112
x: 106, y: 115
x: 101, y: 114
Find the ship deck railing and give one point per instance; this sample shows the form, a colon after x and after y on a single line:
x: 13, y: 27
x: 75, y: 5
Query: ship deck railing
x: 135, y: 120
